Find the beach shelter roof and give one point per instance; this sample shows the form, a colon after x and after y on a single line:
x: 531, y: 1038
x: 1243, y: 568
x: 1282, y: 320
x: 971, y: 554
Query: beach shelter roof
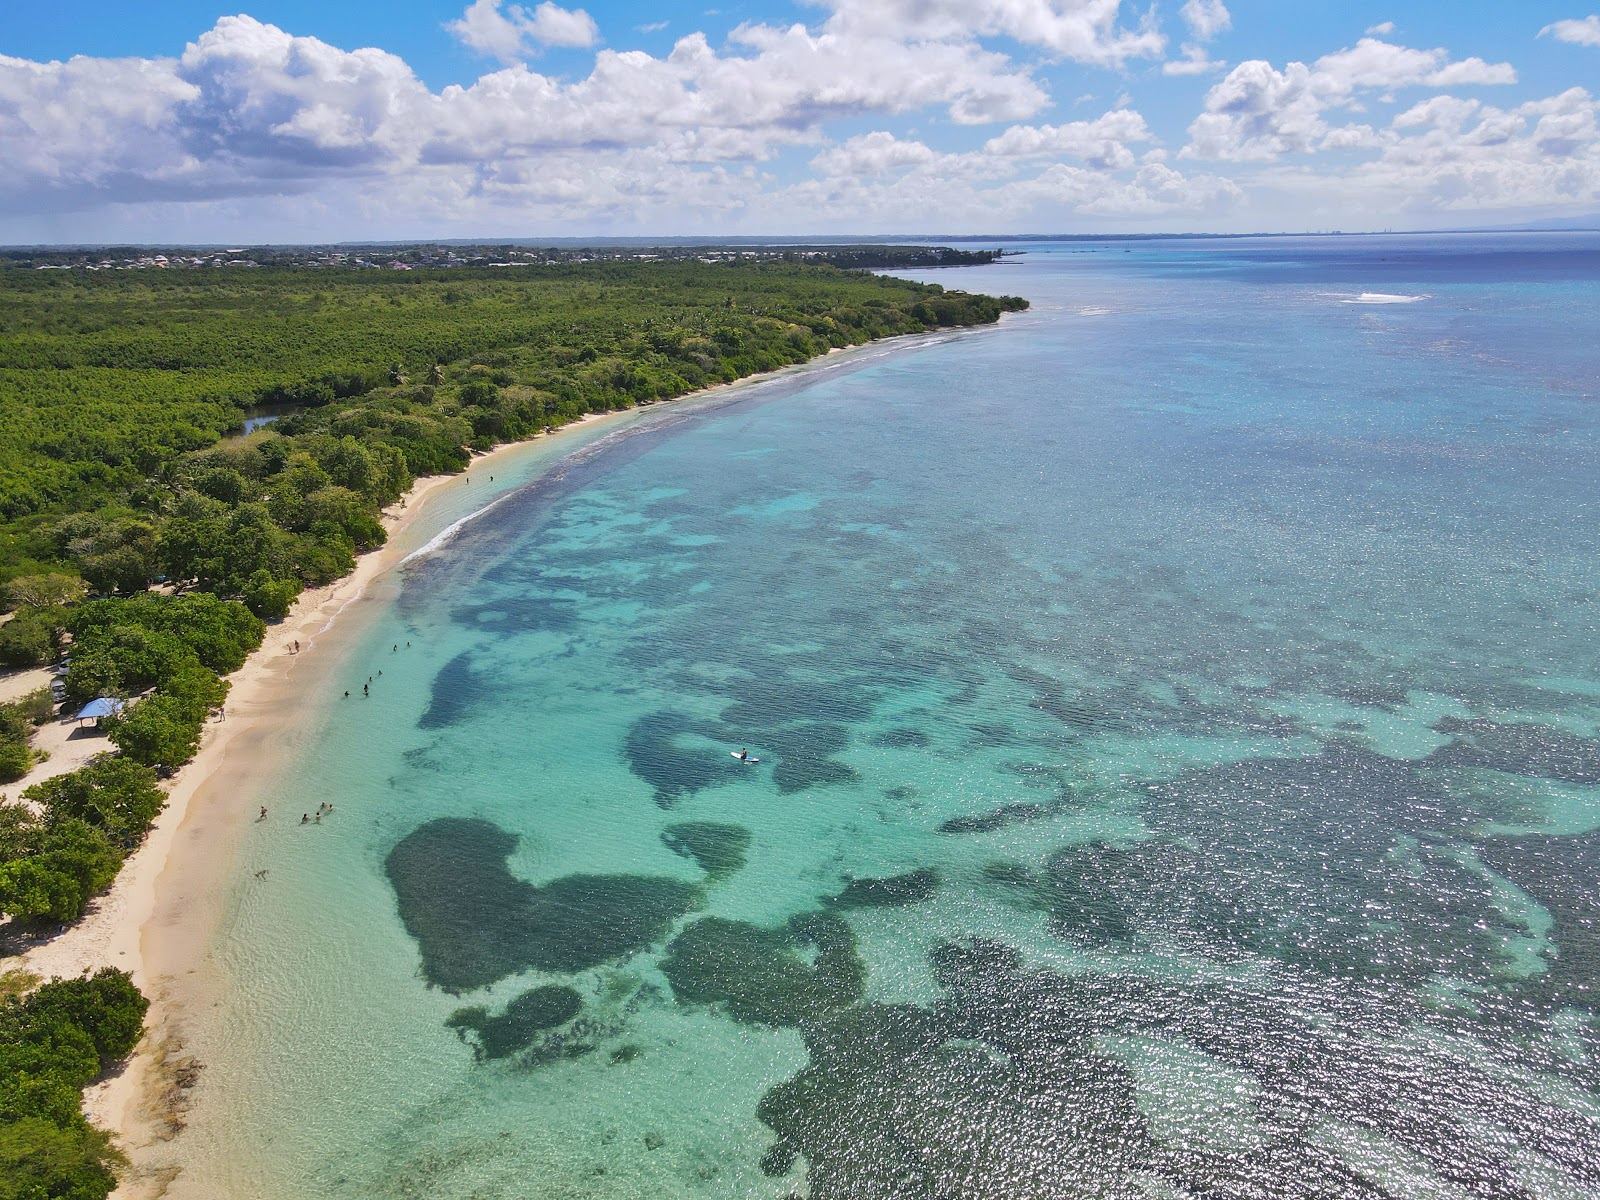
x: 103, y: 707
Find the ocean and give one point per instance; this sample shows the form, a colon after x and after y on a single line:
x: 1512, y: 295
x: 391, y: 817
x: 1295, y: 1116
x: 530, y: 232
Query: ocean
x: 1178, y: 722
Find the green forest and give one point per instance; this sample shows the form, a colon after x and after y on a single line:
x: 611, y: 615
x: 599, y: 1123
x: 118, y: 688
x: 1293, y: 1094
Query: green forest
x: 146, y: 538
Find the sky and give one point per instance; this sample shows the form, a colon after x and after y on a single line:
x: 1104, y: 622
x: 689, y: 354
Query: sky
x: 294, y: 121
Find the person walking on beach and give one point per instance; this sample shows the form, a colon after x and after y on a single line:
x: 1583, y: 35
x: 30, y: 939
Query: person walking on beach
x: 305, y: 818
x: 263, y: 815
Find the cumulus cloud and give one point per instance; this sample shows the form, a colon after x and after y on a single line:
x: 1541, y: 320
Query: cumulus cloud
x: 249, y: 109
x: 250, y: 114
x: 1086, y: 31
x: 1195, y: 61
x: 1206, y: 18
x: 1584, y: 32
x: 1454, y: 154
x: 247, y: 101
x: 510, y: 35
x: 1259, y: 113
x: 1039, y: 174
x: 877, y: 153
x: 1101, y: 144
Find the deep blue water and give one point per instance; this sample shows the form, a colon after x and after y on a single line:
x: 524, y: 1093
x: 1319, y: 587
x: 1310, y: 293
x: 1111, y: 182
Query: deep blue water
x: 1179, y: 722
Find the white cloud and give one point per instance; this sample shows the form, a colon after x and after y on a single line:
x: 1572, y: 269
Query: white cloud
x: 1206, y: 18
x: 1447, y: 157
x: 1351, y: 137
x: 1036, y: 175
x: 1585, y: 32
x: 1085, y: 31
x: 652, y: 27
x: 255, y: 123
x: 1195, y: 61
x: 1101, y: 143
x: 509, y: 35
x: 1259, y: 113
x: 1463, y: 155
x: 870, y: 154
x: 1383, y: 30
x: 92, y: 122
x: 249, y: 109
x: 1372, y: 63
x: 1028, y: 173
x: 982, y: 190
x: 552, y: 25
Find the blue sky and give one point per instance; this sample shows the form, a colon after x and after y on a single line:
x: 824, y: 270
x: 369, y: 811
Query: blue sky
x: 295, y: 121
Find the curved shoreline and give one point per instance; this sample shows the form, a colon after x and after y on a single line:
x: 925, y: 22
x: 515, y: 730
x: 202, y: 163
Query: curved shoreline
x: 160, y: 914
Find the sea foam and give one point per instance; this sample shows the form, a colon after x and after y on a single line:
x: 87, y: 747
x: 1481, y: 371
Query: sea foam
x: 1381, y: 298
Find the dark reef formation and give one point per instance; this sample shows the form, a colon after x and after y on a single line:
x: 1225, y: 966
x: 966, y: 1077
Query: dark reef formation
x: 524, y: 1019
x: 718, y: 850
x: 475, y: 922
x: 890, y: 891
x: 760, y: 975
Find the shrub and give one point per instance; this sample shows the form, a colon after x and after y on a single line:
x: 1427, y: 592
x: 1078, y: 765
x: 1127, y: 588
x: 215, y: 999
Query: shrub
x: 29, y: 638
x: 269, y: 598
x: 41, y: 1161
x: 63, y: 864
x: 120, y: 660
x: 114, y: 794
x: 52, y: 1044
x: 158, y: 730
x: 220, y: 632
x: 106, y: 1006
x: 42, y: 591
x: 15, y: 759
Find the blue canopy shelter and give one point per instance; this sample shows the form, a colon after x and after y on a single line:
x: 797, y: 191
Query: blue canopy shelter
x: 105, y: 706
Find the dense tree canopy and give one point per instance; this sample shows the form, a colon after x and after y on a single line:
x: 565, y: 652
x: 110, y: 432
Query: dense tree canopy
x: 118, y: 391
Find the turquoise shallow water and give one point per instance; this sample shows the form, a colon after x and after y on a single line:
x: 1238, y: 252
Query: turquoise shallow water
x: 1179, y: 716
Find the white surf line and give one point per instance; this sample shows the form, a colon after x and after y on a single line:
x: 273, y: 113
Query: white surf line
x: 739, y: 389
x: 328, y: 624
x: 1379, y: 298
x: 449, y: 531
